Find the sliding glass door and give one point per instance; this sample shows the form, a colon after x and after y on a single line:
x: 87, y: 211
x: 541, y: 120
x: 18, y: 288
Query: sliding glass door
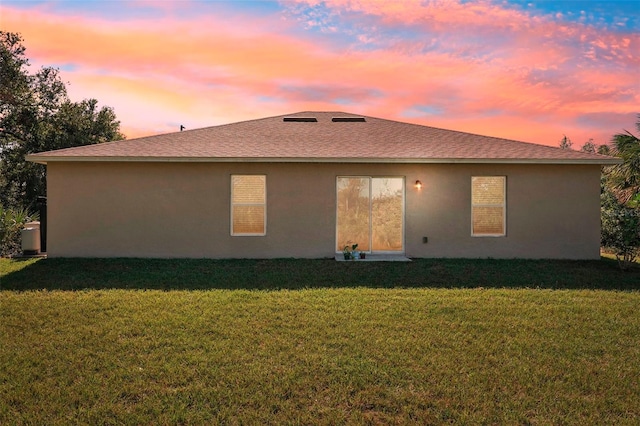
x: 370, y: 213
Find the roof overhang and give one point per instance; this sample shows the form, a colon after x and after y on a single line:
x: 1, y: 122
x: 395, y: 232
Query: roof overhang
x: 45, y: 159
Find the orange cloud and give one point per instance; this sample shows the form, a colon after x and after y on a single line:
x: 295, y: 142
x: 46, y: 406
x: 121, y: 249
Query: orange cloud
x: 535, y: 83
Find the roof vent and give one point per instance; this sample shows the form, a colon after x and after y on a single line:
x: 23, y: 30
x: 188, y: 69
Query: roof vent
x: 300, y: 119
x: 348, y: 119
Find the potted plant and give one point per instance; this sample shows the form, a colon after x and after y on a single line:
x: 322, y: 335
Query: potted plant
x: 355, y: 254
x: 346, y: 251
x: 350, y: 253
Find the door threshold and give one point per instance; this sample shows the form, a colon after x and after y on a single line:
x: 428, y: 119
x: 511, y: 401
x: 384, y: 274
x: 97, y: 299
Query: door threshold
x: 376, y: 257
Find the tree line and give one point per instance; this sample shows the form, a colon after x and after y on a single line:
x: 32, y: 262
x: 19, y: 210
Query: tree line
x: 37, y: 115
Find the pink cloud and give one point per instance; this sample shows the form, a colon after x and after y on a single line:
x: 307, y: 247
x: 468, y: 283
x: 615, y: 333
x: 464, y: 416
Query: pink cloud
x: 538, y: 75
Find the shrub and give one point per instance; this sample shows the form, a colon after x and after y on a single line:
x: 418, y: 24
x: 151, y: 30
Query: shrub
x: 11, y: 223
x: 620, y: 229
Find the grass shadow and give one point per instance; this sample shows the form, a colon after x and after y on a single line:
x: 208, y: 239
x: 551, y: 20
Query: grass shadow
x: 275, y: 274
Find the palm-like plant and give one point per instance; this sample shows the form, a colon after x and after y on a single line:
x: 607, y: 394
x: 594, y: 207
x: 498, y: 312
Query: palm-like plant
x: 11, y: 222
x: 625, y: 177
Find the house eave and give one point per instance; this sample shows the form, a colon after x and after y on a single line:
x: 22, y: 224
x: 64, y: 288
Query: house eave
x: 44, y: 159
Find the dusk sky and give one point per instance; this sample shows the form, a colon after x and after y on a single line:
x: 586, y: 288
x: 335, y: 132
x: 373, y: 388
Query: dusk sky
x: 525, y: 70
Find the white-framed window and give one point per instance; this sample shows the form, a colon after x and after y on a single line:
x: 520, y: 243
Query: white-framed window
x: 488, y: 206
x: 248, y: 205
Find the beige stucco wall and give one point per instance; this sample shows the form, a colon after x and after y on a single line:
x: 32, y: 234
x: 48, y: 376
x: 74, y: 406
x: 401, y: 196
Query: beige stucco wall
x: 182, y: 210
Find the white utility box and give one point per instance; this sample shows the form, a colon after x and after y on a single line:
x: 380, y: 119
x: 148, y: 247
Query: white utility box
x: 31, y: 238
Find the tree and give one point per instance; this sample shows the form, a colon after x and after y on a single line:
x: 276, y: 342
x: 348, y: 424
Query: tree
x: 589, y: 146
x: 621, y: 199
x: 604, y: 150
x: 36, y: 115
x: 625, y: 178
x: 565, y: 142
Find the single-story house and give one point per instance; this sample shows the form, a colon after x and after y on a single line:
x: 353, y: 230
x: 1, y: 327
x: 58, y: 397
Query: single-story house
x: 307, y: 184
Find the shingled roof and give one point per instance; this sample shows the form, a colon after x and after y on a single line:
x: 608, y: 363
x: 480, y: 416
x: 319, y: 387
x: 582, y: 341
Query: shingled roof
x: 322, y: 137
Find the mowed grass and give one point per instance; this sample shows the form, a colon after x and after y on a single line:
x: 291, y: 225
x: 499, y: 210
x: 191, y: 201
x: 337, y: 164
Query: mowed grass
x: 318, y: 342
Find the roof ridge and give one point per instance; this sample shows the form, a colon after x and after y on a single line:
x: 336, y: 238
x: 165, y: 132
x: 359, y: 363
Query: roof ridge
x: 273, y: 139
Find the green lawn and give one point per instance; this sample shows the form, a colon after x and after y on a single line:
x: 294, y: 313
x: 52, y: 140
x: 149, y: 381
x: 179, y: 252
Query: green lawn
x: 318, y: 342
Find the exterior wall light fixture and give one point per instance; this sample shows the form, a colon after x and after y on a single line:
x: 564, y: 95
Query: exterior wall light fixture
x: 418, y: 185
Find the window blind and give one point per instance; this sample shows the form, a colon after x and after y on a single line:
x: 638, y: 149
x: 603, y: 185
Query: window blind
x: 488, y: 207
x: 248, y: 205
